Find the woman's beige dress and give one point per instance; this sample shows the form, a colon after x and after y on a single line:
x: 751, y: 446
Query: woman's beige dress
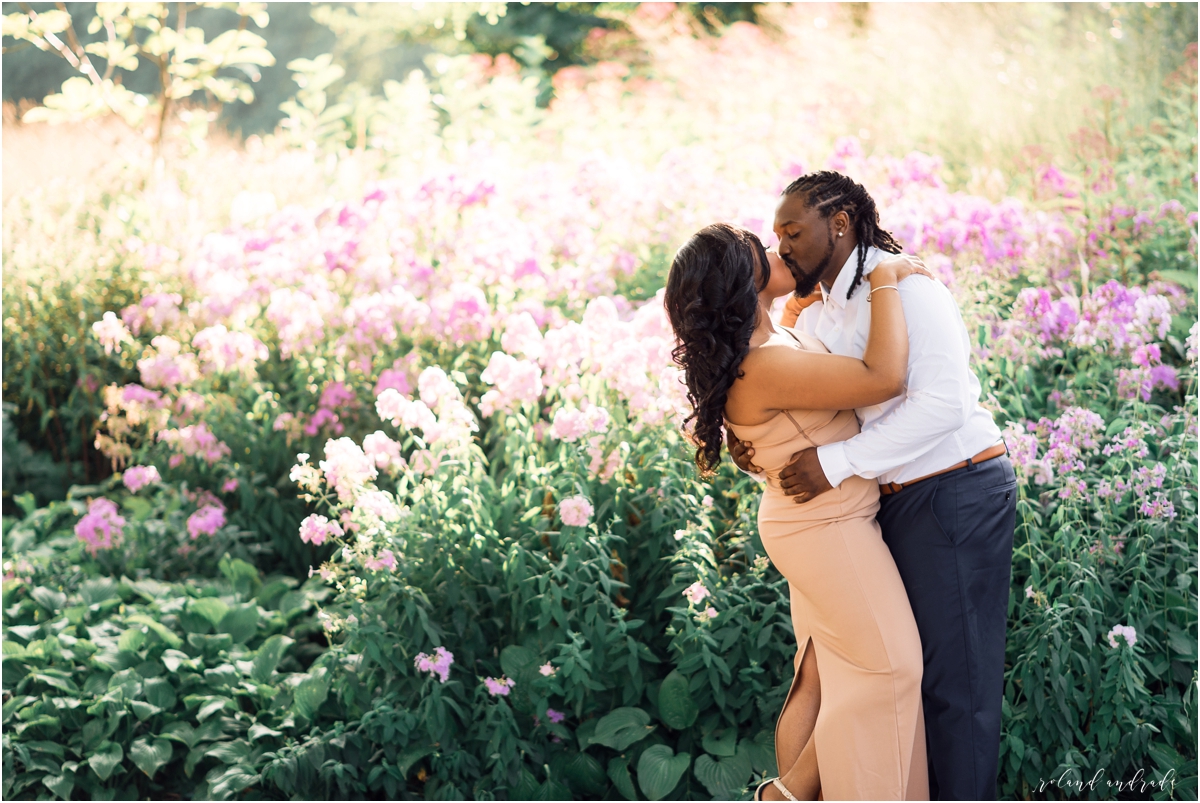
x: 849, y: 604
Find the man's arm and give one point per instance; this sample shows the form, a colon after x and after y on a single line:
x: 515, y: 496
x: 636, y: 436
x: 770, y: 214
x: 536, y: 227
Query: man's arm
x: 938, y: 399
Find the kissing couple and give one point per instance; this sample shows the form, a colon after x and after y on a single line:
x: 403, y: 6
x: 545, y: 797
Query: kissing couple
x: 890, y: 502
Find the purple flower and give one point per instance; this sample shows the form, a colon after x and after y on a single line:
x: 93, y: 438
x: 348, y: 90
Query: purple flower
x: 207, y: 520
x: 498, y: 687
x: 554, y: 716
x: 436, y: 664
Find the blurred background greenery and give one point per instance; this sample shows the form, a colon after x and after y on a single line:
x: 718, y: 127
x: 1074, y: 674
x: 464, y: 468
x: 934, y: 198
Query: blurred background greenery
x: 968, y: 80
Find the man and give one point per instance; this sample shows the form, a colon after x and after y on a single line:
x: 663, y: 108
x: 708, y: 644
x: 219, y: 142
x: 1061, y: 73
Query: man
x: 948, y: 498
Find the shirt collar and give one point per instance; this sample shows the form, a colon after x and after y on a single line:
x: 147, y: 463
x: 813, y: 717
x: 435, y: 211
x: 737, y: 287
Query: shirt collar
x: 837, y: 293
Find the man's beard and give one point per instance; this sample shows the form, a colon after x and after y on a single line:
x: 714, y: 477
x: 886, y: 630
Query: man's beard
x: 807, y: 282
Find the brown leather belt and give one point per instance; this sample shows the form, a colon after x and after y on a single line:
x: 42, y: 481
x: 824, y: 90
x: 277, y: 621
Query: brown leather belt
x: 987, y: 454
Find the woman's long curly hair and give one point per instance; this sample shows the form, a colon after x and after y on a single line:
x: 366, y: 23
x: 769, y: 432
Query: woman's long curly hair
x: 712, y: 303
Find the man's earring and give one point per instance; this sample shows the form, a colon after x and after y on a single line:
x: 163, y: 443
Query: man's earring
x: 840, y: 233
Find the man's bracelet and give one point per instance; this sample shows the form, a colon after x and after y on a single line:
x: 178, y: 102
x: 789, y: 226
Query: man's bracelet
x: 885, y: 287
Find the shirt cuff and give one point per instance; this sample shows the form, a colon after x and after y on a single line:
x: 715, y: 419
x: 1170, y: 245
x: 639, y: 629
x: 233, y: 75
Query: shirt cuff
x: 833, y: 460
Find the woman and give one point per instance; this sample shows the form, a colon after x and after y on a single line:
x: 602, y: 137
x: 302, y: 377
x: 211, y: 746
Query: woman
x: 855, y: 729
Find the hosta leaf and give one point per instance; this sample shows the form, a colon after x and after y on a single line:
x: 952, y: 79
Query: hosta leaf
x: 160, y: 630
x: 309, y: 695
x: 143, y: 711
x: 659, y: 770
x: 240, y: 622
x: 268, y: 657
x: 761, y: 752
x: 149, y: 754
x: 621, y: 728
x: 724, y: 777
x: 225, y: 782
x: 584, y: 774
x: 106, y: 759
x: 159, y: 692
x: 721, y: 742
x: 181, y: 732
x: 211, y: 608
x: 48, y: 598
x: 618, y: 772
x: 257, y: 731
x: 131, y: 640
x: 675, y: 704
x: 60, y: 785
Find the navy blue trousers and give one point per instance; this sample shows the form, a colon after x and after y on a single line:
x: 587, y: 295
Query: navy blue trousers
x: 952, y: 539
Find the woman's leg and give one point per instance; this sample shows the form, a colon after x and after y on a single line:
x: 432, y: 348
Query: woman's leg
x: 795, y: 749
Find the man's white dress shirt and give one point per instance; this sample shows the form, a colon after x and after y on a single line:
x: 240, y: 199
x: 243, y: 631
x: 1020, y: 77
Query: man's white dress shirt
x: 937, y: 420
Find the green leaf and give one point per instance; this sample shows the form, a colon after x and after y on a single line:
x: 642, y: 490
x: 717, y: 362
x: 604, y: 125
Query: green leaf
x: 675, y: 704
x: 143, y: 711
x: 761, y: 752
x: 211, y: 609
x: 173, y: 659
x: 60, y: 785
x: 150, y: 755
x: 97, y: 589
x: 160, y: 630
x: 241, y: 575
x: 514, y: 659
x: 181, y: 732
x: 721, y: 742
x: 411, y: 755
x: 258, y: 730
x: 659, y: 770
x: 310, y: 694
x: 51, y: 600
x: 225, y: 782
x: 621, y: 728
x: 212, y: 706
x: 131, y: 640
x: 240, y: 622
x: 268, y: 657
x: 724, y: 777
x: 159, y: 692
x: 106, y: 759
x: 584, y: 774
x: 618, y: 772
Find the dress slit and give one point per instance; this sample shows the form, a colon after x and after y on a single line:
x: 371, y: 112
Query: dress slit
x: 791, y: 697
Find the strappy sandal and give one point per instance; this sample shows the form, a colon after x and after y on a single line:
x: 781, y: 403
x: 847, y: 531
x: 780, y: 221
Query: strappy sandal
x: 778, y: 785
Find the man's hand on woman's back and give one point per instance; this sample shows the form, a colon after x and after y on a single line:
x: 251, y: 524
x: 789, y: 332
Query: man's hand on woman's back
x: 741, y: 452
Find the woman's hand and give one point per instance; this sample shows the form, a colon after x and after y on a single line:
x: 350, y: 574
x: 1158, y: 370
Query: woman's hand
x: 898, y: 268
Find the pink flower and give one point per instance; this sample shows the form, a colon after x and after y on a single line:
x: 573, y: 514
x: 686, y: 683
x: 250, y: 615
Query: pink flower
x: 229, y: 486
x: 347, y: 468
x: 1124, y: 632
x: 383, y: 450
x: 710, y: 612
x: 194, y: 440
x: 575, y: 511
x: 165, y: 366
x: 206, y: 520
x: 395, y: 379
x: 436, y: 664
x: 696, y: 593
x: 498, y: 687
x: 569, y: 425
x: 315, y: 529
x: 222, y: 351
x: 1029, y: 593
x: 546, y: 670
x: 707, y: 501
x: 516, y: 382
x: 139, y: 477
x: 385, y: 560
x: 554, y: 716
x: 101, y: 527
x: 1158, y: 508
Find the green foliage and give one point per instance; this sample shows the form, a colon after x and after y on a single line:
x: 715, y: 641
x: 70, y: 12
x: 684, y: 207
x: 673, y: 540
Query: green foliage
x: 185, y: 62
x: 125, y: 687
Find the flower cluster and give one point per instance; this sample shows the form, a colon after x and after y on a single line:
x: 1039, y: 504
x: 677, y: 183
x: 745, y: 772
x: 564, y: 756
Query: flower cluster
x: 498, y: 687
x: 102, y: 526
x: 139, y: 477
x: 437, y: 664
x: 1124, y: 632
x: 575, y: 511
